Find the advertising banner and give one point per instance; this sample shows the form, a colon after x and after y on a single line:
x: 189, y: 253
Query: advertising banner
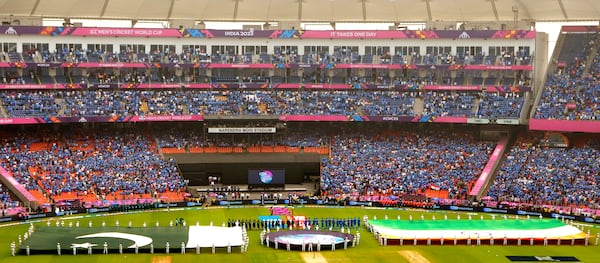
x: 282, y: 34
x: 313, y: 118
x: 242, y: 130
x: 565, y: 125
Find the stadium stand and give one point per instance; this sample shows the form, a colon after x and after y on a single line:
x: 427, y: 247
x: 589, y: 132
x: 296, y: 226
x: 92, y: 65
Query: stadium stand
x: 540, y: 175
x: 91, y: 165
x: 119, y: 102
x: 571, y: 92
x: 424, y: 84
x: 393, y: 163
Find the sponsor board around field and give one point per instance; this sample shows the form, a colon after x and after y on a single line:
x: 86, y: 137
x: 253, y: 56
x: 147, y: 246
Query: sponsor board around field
x: 591, y: 220
x: 461, y: 208
x: 494, y: 210
x: 231, y: 203
x: 521, y: 212
x: 168, y: 205
x: 190, y: 204
x: 560, y: 216
x: 39, y: 215
x: 67, y: 212
x: 98, y: 210
x: 356, y: 203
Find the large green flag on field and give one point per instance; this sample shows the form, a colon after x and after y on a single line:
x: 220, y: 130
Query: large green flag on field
x: 484, y: 229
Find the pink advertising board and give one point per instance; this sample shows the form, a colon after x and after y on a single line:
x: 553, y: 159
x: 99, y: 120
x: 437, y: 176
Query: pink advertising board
x: 375, y: 66
x: 327, y: 86
x: 240, y: 66
x: 166, y: 118
x: 110, y: 65
x: 442, y: 87
x: 198, y: 86
x: 151, y: 86
x: 4, y: 121
x: 498, y: 67
x: 564, y: 125
x: 36, y: 86
x: 450, y: 119
x: 287, y: 86
x: 123, y: 32
x: 353, y: 34
x: 313, y: 118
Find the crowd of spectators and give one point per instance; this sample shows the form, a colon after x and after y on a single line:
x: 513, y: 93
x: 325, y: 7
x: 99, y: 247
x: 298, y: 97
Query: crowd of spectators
x: 234, y: 102
x: 98, y: 102
x: 489, y: 105
x: 402, y: 162
x: 30, y: 103
x: 536, y: 174
x: 6, y: 201
x: 573, y: 92
x: 84, y: 162
x: 339, y: 55
x: 179, y: 138
x: 365, y: 160
x: 500, y: 105
x: 443, y: 104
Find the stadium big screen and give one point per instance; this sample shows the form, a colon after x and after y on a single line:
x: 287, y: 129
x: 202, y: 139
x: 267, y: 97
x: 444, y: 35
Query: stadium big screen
x: 266, y: 177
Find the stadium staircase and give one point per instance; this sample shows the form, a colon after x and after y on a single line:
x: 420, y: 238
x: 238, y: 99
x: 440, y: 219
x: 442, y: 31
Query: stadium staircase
x: 3, y: 113
x: 475, y: 106
x: 63, y: 106
x: 144, y: 107
x: 360, y: 110
x: 486, y: 178
x: 419, y: 106
x: 185, y: 109
x: 590, y: 58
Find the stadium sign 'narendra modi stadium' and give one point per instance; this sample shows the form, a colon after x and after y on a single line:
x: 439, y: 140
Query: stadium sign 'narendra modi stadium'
x: 243, y: 130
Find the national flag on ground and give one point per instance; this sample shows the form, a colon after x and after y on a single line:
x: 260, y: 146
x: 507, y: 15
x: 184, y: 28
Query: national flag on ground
x: 46, y: 238
x: 483, y: 229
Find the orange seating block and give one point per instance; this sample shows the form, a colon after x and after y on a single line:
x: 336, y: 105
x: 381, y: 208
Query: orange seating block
x: 172, y: 150
x: 196, y: 150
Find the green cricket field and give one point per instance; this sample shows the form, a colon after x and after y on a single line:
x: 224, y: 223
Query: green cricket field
x: 369, y: 249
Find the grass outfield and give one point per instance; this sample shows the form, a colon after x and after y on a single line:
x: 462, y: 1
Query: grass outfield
x: 368, y: 250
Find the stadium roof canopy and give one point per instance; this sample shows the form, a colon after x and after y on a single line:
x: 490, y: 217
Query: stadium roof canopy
x: 309, y: 10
